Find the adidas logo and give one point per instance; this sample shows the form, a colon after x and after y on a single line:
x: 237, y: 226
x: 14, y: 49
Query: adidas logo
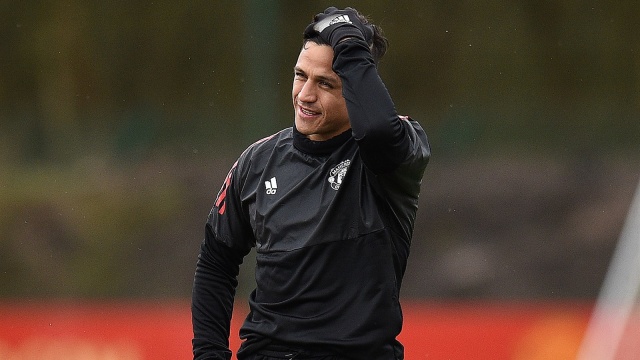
x: 340, y: 19
x: 271, y: 186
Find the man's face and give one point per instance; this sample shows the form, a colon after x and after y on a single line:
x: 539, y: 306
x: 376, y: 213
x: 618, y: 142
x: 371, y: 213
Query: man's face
x: 320, y: 109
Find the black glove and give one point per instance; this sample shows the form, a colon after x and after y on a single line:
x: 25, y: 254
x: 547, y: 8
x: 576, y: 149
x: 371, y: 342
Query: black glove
x: 334, y: 25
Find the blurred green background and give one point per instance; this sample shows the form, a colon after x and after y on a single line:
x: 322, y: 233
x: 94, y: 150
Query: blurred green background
x: 120, y: 119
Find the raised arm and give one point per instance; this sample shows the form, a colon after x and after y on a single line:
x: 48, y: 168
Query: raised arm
x: 386, y: 140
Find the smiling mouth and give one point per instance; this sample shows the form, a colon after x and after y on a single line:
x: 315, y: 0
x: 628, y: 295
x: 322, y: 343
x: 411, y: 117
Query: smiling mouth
x: 307, y: 112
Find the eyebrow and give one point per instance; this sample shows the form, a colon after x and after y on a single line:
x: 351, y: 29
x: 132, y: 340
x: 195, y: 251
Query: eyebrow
x: 330, y: 79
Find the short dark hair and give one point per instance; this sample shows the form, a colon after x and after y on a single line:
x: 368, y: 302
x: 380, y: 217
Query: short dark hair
x: 378, y: 43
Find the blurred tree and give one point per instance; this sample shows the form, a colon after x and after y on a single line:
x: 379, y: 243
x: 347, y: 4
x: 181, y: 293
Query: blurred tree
x: 116, y: 117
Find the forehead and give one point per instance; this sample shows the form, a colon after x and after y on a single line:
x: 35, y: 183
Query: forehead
x: 314, y: 57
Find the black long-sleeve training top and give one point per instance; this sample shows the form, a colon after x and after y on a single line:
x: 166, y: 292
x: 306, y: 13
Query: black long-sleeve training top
x: 331, y: 223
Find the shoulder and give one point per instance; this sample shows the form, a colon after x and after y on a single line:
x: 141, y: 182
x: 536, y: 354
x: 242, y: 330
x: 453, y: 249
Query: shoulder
x: 267, y: 143
x: 419, y: 149
x: 411, y: 122
x: 416, y: 129
x: 265, y: 146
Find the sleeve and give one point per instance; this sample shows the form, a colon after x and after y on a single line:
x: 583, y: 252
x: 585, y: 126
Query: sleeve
x: 386, y: 140
x: 215, y: 281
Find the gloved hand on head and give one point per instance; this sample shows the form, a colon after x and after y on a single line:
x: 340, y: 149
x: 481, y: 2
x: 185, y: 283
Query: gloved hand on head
x: 334, y: 25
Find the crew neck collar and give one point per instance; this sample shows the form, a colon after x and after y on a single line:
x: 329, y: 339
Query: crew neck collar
x: 306, y: 145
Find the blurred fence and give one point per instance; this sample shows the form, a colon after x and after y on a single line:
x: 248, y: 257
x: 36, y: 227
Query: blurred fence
x: 432, y: 330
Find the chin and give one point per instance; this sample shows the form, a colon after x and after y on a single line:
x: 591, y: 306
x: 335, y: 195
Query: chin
x: 304, y: 130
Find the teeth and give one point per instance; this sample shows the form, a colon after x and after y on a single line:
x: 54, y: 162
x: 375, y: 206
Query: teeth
x: 307, y: 112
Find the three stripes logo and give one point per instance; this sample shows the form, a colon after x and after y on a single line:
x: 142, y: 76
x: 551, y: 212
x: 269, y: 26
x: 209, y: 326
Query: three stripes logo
x: 271, y: 185
x: 340, y: 19
x: 331, y: 20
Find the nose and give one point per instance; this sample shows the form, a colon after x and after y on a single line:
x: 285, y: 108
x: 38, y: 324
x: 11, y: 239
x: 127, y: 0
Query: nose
x: 307, y: 93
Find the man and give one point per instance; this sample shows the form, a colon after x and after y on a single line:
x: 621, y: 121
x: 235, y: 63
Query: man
x: 329, y: 205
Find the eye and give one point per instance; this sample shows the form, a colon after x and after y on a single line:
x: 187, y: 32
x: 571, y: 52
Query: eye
x: 299, y: 75
x: 326, y: 84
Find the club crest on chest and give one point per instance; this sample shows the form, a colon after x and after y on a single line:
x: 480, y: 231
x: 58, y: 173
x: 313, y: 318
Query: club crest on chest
x: 337, y: 174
